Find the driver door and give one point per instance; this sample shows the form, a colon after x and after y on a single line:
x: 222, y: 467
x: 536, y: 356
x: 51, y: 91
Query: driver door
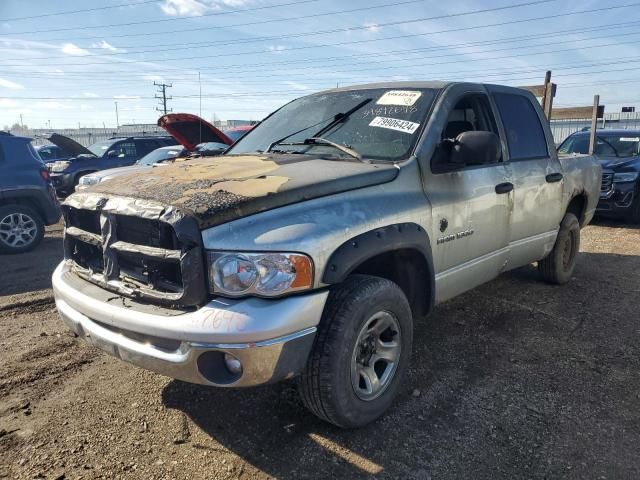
x: 126, y: 154
x: 471, y: 204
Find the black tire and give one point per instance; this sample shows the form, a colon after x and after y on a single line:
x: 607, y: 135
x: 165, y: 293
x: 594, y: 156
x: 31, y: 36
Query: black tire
x: 8, y: 243
x: 558, y: 266
x: 326, y: 385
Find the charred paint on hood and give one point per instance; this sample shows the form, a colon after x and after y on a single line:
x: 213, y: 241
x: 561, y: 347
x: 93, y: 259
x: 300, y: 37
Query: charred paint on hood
x: 217, y: 190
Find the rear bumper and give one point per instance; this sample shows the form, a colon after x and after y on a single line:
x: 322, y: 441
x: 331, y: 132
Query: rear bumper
x: 271, y: 338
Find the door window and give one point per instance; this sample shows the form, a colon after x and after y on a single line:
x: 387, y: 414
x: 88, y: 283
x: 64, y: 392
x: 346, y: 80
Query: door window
x: 146, y: 146
x: 472, y: 113
x: 525, y: 135
x: 126, y: 149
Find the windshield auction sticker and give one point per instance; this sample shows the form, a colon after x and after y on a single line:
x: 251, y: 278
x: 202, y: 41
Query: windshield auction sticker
x: 399, y: 97
x: 394, y: 124
x: 630, y: 139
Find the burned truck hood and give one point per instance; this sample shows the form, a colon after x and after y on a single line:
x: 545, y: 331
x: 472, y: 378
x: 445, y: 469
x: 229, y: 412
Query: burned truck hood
x: 68, y: 145
x: 217, y: 190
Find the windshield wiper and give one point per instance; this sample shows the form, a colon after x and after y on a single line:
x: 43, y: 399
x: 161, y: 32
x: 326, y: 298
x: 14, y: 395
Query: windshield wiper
x: 337, y: 118
x: 323, y: 141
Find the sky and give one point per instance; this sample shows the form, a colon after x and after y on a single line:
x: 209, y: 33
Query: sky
x: 65, y: 64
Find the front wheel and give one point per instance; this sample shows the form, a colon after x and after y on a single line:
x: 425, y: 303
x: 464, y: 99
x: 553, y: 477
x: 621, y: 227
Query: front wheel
x: 558, y: 266
x: 360, y: 354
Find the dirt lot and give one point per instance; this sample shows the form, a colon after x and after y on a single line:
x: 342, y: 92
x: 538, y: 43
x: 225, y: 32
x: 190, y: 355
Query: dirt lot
x: 516, y: 379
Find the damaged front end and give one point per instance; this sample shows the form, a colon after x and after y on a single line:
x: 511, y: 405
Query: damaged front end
x: 135, y: 248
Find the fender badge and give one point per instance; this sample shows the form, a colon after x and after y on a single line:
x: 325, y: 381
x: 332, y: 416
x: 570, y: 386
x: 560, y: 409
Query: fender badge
x: 454, y: 236
x: 444, y: 223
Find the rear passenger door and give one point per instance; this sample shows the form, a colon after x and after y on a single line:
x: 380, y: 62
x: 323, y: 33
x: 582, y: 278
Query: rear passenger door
x: 537, y: 176
x: 470, y: 208
x: 146, y: 146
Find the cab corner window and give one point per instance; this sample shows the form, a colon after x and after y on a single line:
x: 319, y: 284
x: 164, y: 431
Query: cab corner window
x: 525, y: 136
x: 469, y: 138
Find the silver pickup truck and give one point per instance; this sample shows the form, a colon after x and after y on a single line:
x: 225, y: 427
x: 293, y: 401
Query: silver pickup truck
x: 315, y: 243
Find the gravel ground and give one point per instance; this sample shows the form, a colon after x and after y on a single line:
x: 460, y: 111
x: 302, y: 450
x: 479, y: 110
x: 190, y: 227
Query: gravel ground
x: 515, y: 379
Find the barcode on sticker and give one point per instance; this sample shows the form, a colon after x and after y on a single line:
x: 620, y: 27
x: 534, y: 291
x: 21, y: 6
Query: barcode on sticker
x: 394, y: 124
x: 399, y: 97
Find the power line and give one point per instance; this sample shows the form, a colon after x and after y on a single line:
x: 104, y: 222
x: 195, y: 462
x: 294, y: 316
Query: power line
x: 473, y: 27
x: 84, y: 10
x: 438, y: 17
x: 218, y: 68
x: 351, y: 70
x: 187, y: 17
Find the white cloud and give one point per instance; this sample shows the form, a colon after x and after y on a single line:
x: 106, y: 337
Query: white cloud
x: 372, y: 27
x: 183, y: 7
x: 85, y: 107
x: 297, y: 86
x: 10, y: 85
x: 90, y: 94
x: 52, y: 104
x: 8, y: 102
x: 197, y: 7
x: 72, y: 49
x: 126, y: 97
x: 153, y: 78
x: 276, y: 48
x: 107, y: 46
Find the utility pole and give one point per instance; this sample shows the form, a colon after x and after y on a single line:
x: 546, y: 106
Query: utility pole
x: 117, y: 120
x: 162, y: 88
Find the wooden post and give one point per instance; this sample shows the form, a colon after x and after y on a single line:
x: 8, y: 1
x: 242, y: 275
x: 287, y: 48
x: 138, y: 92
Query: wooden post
x: 594, y: 124
x: 547, y: 96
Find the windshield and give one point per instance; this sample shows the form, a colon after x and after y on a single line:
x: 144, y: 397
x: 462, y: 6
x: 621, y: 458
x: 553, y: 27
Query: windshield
x: 385, y: 127
x: 618, y: 145
x: 160, y: 155
x: 235, y: 135
x: 100, y: 148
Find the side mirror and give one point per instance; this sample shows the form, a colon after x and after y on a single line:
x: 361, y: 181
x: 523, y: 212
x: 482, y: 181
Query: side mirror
x: 475, y: 148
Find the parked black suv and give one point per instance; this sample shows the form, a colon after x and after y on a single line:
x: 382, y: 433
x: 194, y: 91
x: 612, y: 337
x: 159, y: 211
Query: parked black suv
x: 619, y: 154
x: 111, y: 153
x: 27, y: 199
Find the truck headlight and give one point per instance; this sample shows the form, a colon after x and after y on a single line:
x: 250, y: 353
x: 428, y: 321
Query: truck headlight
x: 625, y: 177
x: 267, y: 274
x: 88, y: 180
x: 57, y: 167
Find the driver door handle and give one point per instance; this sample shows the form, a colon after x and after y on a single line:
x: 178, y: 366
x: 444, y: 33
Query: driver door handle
x: 504, y: 188
x: 554, y: 177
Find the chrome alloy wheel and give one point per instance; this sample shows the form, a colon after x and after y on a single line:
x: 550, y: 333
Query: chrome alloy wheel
x: 376, y: 355
x: 18, y: 230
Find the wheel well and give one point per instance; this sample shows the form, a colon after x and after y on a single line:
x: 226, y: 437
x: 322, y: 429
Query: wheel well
x: 409, y: 270
x: 577, y: 206
x: 26, y: 201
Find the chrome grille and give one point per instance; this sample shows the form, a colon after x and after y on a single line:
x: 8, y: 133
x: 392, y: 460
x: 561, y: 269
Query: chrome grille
x: 607, y: 182
x: 135, y: 256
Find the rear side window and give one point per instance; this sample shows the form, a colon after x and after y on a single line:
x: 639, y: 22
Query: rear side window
x: 525, y: 135
x: 146, y: 146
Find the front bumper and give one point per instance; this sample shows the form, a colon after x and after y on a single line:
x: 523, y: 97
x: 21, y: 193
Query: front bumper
x: 271, y: 338
x: 61, y: 181
x: 618, y: 200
